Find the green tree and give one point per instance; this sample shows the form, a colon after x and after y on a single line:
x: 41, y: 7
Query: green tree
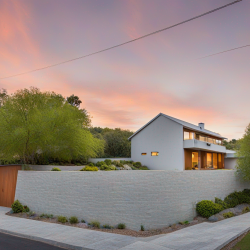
x: 243, y: 164
x: 74, y: 101
x: 116, y: 141
x: 231, y: 145
x: 35, y: 124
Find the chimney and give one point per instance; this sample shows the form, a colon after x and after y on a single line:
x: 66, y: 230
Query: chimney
x: 201, y: 125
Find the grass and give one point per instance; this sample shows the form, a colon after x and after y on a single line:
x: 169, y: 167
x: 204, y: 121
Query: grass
x: 243, y: 244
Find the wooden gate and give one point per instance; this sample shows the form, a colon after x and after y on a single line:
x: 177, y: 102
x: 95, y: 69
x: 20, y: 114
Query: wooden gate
x: 8, y: 178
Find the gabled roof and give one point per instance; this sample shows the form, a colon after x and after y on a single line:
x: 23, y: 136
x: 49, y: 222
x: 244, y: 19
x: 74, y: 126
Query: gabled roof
x: 183, y: 123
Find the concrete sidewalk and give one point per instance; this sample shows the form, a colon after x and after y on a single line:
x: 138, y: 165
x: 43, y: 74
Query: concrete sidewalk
x: 205, y: 236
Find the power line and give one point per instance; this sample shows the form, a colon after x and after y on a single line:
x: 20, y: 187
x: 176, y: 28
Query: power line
x: 223, y: 52
x: 121, y: 44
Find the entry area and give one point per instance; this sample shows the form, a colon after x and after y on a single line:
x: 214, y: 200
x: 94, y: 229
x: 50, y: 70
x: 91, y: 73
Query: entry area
x: 8, y: 179
x: 203, y: 160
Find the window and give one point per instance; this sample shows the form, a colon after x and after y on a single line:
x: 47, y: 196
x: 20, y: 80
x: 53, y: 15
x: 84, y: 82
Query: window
x: 188, y: 135
x: 143, y: 153
x: 154, y: 153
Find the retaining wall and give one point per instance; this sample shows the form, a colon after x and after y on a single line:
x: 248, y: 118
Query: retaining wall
x: 154, y: 199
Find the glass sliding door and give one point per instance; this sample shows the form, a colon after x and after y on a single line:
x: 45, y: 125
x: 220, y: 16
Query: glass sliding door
x: 215, y: 160
x: 209, y: 160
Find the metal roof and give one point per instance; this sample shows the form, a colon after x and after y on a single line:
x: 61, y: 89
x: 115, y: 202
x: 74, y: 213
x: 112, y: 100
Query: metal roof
x: 183, y: 123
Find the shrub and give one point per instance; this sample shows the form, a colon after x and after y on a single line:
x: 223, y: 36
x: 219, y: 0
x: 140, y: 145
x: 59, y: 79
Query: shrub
x: 89, y: 168
x: 83, y: 221
x: 221, y: 202
x: 245, y: 210
x: 116, y: 163
x: 55, y: 169
x: 95, y: 224
x: 184, y: 222
x: 237, y: 198
x: 120, y: 165
x: 142, y: 228
x: 107, y: 226
x: 143, y: 168
x: 121, y: 226
x: 73, y: 220
x: 91, y: 164
x: 26, y: 209
x: 47, y: 216
x: 17, y: 207
x: 108, y: 162
x: 246, y: 191
x: 107, y: 168
x: 207, y: 208
x: 62, y: 219
x: 228, y: 215
x: 100, y: 163
x: 137, y: 164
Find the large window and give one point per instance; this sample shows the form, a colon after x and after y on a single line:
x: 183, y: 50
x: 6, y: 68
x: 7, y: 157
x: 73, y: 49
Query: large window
x: 188, y: 135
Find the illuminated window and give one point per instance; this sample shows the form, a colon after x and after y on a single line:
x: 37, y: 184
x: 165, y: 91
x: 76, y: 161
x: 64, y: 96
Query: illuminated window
x: 154, y: 153
x: 143, y: 153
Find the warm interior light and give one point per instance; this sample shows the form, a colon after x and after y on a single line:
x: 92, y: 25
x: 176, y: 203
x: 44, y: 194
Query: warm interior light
x: 143, y: 153
x: 154, y: 153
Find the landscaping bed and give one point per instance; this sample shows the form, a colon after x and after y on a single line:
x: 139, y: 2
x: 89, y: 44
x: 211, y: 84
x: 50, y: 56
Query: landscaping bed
x: 147, y: 233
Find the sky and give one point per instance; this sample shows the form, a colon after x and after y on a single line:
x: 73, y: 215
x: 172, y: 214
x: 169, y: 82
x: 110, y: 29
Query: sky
x: 128, y: 86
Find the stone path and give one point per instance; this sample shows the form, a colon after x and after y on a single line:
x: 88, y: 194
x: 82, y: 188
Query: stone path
x: 204, y: 236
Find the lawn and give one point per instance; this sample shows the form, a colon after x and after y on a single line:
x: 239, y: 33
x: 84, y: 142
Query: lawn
x: 244, y: 244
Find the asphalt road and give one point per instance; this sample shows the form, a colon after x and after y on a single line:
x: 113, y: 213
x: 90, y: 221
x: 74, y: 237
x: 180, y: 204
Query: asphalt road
x: 9, y: 242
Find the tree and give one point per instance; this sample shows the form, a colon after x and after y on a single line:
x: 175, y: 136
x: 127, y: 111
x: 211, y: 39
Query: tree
x: 243, y: 164
x: 35, y: 124
x: 116, y: 141
x: 74, y: 101
x: 231, y: 145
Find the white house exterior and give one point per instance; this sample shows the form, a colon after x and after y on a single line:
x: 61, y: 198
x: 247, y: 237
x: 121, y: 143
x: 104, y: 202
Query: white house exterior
x: 167, y: 143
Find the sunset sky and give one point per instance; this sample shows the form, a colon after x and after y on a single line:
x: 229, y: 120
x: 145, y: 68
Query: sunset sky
x: 127, y: 86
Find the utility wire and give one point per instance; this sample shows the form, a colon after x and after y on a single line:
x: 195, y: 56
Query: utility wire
x: 223, y: 52
x: 121, y: 44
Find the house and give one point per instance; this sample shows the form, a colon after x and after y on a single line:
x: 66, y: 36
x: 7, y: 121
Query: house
x: 167, y: 143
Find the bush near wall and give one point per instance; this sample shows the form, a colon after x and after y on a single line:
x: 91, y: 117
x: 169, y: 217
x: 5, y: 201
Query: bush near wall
x: 208, y: 208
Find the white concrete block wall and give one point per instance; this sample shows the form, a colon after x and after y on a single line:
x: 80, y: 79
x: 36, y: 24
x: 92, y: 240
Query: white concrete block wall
x: 154, y: 199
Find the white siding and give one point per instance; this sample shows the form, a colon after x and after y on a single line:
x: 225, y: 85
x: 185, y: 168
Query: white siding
x: 164, y: 136
x: 230, y: 163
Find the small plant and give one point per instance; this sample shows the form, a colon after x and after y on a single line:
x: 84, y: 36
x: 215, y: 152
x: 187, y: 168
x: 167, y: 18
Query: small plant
x: 116, y: 163
x: 91, y: 164
x: 121, y: 226
x: 17, y: 207
x: 55, y: 169
x: 108, y: 162
x: 47, y: 216
x: 73, y: 220
x: 31, y: 213
x: 100, y: 163
x: 83, y: 221
x: 208, y: 208
x: 228, y: 215
x: 62, y: 219
x: 107, y: 226
x: 245, y: 210
x: 221, y: 202
x: 137, y: 164
x: 89, y: 168
x: 26, y: 209
x: 95, y: 224
x: 142, y: 228
x: 143, y: 168
x: 42, y: 215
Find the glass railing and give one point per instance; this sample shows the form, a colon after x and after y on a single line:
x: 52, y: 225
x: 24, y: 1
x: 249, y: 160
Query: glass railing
x: 199, y: 137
